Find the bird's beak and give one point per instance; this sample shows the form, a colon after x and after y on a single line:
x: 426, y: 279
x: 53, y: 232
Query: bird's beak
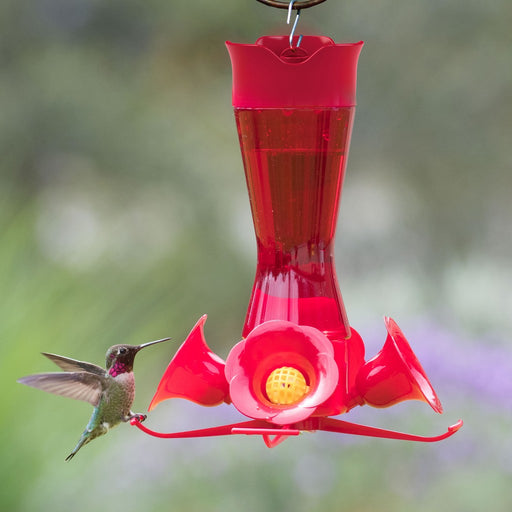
x: 151, y: 343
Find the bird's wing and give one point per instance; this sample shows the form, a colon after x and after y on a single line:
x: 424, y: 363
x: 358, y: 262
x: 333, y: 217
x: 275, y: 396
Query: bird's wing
x: 72, y: 365
x: 78, y: 385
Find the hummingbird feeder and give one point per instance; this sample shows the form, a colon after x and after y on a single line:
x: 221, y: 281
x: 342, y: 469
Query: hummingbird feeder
x: 299, y: 362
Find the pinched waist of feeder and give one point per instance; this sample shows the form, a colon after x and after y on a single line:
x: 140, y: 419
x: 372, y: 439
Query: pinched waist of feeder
x: 308, y: 257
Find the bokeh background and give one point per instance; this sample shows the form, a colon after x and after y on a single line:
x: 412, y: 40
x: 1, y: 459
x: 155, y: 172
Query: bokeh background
x: 124, y: 217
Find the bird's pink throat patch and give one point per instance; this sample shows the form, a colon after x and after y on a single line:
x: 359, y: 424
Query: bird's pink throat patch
x: 117, y: 369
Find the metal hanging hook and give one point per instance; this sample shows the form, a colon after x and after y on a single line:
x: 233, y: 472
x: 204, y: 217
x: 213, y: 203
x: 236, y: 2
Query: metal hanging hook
x: 280, y: 4
x: 290, y: 8
x: 290, y: 5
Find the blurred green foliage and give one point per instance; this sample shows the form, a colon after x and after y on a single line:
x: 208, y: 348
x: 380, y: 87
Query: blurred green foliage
x: 124, y: 216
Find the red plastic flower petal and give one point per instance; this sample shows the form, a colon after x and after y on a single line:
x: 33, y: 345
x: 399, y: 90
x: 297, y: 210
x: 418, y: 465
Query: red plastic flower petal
x: 195, y: 373
x: 395, y: 374
x: 281, y: 346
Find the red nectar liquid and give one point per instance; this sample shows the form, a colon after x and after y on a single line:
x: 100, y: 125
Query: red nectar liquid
x: 294, y: 161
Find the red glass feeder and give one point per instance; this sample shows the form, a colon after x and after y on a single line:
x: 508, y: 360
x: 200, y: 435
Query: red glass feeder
x: 298, y: 362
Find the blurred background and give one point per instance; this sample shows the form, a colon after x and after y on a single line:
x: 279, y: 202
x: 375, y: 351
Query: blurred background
x: 124, y: 217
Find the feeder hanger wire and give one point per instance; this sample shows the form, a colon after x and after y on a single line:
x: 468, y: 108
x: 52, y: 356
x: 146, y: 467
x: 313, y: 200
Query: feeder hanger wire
x: 280, y: 4
x: 290, y: 8
x: 292, y: 4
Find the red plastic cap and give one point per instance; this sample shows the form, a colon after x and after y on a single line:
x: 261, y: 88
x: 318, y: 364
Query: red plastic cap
x: 270, y: 74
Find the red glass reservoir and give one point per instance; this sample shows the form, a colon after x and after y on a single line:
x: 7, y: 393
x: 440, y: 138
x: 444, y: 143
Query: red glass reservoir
x: 294, y: 162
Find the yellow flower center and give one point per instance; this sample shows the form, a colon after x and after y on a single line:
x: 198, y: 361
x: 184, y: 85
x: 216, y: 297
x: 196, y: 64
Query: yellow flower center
x: 286, y: 385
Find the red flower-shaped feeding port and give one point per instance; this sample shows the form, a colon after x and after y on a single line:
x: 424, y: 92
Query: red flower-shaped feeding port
x: 281, y: 372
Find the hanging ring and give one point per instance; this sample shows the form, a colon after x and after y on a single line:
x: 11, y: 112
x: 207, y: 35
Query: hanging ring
x: 285, y: 5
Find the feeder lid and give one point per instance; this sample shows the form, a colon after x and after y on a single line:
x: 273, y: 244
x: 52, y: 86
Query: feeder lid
x: 273, y: 74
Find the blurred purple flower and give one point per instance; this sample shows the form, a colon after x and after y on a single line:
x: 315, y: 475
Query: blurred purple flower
x: 478, y: 369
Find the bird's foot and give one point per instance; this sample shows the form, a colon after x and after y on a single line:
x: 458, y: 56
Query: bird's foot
x: 138, y: 417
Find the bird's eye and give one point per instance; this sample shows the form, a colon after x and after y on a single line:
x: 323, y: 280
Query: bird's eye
x: 122, y: 350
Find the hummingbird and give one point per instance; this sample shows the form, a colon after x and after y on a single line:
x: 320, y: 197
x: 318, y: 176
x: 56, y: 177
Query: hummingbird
x: 110, y: 391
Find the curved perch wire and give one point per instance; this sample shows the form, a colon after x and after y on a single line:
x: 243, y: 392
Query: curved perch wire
x: 265, y: 429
